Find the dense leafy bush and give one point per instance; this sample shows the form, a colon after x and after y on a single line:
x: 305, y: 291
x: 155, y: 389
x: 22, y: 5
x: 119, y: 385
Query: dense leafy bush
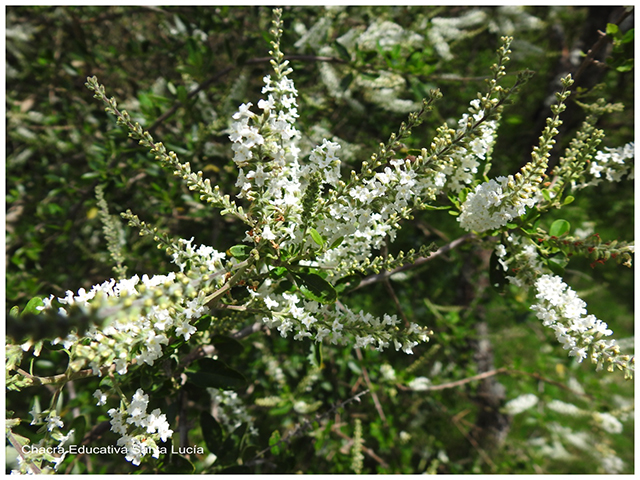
x: 369, y: 251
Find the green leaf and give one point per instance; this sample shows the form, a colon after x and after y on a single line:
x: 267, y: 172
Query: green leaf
x: 559, y: 228
x: 317, y: 237
x: 342, y: 51
x: 347, y: 283
x: 612, y: 29
x: 546, y: 195
x: 240, y: 252
x: 315, y: 288
x: 15, y: 311
x: 626, y: 67
x: 273, y: 442
x: 336, y: 243
x: 557, y: 263
x: 31, y: 306
x: 346, y: 82
x: 212, y: 433
x: 569, y: 200
x: 278, y: 272
x: 431, y: 207
x: 216, y: 374
x: 227, y: 345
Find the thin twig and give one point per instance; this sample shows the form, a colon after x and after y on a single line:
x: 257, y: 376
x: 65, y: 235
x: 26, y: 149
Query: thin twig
x: 591, y: 53
x: 419, y: 261
x: 456, y: 419
x: 365, y: 374
x: 457, y: 383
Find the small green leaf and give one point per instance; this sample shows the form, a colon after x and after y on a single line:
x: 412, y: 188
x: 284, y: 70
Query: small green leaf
x: 212, y: 433
x: 315, y: 288
x: 241, y: 252
x: 559, y: 228
x: 31, y: 306
x: 346, y: 82
x: 557, y: 263
x: 278, y: 272
x: 15, y: 311
x: 569, y: 200
x: 612, y: 29
x: 274, y: 439
x: 546, y: 195
x: 347, y: 283
x: 342, y: 51
x: 626, y: 67
x: 336, y: 243
x: 317, y: 237
x: 431, y: 207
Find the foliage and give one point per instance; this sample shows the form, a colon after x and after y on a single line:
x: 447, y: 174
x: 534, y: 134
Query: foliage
x: 345, y: 268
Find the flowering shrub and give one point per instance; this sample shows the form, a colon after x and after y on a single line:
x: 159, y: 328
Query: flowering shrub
x: 311, y: 230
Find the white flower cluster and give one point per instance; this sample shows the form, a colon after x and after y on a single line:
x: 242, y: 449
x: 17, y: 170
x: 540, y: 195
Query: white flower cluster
x: 340, y: 326
x: 443, y: 31
x: 42, y: 450
x: 386, y: 35
x: 420, y: 384
x: 605, y: 421
x: 231, y: 411
x: 511, y: 19
x: 492, y: 205
x: 370, y: 211
x: 520, y: 404
x: 271, y: 135
x: 523, y: 259
x: 151, y: 426
x: 560, y: 309
x: 203, y: 256
x: 464, y: 162
x: 145, y: 334
x: 612, y: 164
x: 581, y: 440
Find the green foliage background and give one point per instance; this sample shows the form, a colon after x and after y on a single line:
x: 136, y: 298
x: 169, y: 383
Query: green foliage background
x: 61, y: 145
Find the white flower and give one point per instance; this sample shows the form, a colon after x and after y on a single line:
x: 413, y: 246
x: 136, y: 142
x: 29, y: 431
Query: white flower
x: 520, y: 404
x: 420, y: 384
x: 608, y: 422
x: 101, y: 397
x: 54, y: 421
x: 271, y: 304
x: 565, y: 408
